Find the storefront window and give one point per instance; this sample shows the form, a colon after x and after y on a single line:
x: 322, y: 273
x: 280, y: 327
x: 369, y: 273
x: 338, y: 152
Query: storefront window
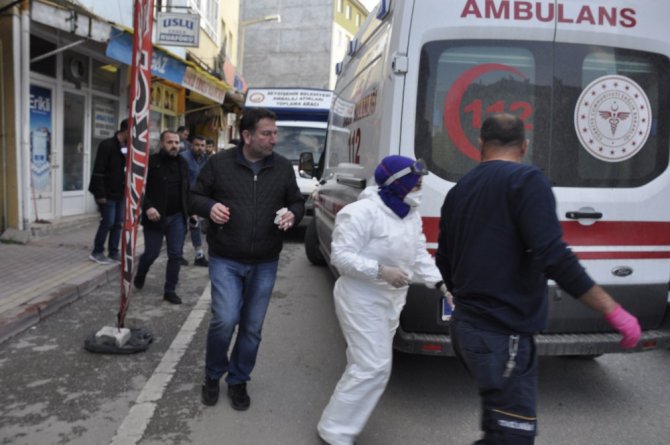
x: 45, y: 66
x: 73, y: 142
x: 75, y: 68
x: 105, y: 77
x: 105, y: 123
x: 164, y: 110
x: 155, y: 128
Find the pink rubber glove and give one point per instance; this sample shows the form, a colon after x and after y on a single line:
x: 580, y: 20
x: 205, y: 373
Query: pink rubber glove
x: 627, y: 326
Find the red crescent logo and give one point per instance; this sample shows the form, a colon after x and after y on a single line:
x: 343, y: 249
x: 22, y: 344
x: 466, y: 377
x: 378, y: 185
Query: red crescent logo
x: 452, y: 105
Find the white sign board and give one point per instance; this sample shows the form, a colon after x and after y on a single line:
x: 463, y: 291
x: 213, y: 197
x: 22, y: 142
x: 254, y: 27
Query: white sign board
x: 177, y: 29
x: 104, y: 121
x: 289, y: 98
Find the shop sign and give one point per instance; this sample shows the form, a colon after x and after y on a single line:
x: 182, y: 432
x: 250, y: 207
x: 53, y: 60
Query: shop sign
x: 177, y: 29
x: 120, y: 48
x: 104, y: 121
x: 40, y: 138
x: 200, y: 84
x: 291, y: 97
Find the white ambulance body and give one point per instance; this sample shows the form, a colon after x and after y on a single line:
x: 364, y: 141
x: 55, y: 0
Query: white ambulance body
x: 302, y: 120
x: 591, y: 80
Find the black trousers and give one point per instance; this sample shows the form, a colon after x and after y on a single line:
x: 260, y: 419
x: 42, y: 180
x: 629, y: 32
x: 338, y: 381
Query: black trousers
x: 509, y: 398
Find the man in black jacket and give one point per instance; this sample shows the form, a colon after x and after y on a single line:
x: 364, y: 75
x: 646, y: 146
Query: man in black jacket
x: 107, y: 186
x: 164, y: 213
x: 250, y: 195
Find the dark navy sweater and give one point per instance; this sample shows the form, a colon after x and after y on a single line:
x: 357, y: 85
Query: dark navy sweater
x: 500, y: 240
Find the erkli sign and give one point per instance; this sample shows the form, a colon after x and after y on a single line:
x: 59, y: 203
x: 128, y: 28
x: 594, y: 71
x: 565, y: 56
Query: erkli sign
x: 177, y: 29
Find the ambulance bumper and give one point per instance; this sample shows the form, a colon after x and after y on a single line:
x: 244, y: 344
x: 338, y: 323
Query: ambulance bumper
x: 547, y: 344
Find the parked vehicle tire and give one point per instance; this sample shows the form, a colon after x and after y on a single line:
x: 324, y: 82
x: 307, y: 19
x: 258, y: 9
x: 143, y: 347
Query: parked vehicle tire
x: 314, y: 255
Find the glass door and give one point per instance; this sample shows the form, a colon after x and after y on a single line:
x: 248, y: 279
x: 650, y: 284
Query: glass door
x: 72, y: 185
x: 43, y: 156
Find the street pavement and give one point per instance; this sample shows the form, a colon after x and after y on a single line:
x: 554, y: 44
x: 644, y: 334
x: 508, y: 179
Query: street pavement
x: 50, y: 271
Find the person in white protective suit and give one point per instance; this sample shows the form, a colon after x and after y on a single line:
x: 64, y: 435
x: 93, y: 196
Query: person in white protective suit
x: 378, y: 248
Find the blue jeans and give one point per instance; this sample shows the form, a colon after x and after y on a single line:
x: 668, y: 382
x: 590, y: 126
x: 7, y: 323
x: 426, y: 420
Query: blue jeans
x: 111, y: 223
x: 509, y: 402
x: 240, y: 296
x: 173, y: 229
x: 196, y: 237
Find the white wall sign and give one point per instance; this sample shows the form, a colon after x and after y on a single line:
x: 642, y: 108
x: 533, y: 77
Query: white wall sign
x: 177, y: 29
x: 289, y: 98
x: 104, y: 121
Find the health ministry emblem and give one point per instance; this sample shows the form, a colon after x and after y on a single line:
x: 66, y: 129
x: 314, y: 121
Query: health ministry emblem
x: 613, y: 118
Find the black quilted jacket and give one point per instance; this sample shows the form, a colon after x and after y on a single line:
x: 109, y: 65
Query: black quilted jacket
x: 250, y: 236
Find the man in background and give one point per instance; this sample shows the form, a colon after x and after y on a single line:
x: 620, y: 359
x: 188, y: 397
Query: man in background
x: 196, y: 157
x: 164, y: 213
x: 210, y: 149
x: 184, y: 143
x: 107, y: 186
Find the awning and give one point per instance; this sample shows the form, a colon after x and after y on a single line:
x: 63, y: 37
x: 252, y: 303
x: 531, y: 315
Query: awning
x: 169, y: 67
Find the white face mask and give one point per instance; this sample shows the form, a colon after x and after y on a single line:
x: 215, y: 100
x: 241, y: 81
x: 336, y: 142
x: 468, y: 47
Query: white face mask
x: 413, y: 199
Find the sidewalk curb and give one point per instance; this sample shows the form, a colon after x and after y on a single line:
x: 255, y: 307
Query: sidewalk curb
x: 24, y: 317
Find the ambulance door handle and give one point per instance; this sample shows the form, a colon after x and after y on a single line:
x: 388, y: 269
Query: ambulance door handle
x: 583, y: 215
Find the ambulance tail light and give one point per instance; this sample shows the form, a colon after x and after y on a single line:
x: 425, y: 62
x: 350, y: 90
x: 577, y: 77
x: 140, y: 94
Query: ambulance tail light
x: 648, y: 344
x: 431, y: 347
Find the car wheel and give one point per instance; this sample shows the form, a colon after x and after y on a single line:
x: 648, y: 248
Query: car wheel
x: 314, y: 255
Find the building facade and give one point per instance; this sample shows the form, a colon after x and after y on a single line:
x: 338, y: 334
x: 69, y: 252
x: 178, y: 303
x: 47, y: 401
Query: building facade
x: 64, y: 81
x: 301, y: 49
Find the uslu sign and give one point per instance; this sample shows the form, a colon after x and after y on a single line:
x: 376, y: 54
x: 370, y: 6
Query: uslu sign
x: 177, y: 29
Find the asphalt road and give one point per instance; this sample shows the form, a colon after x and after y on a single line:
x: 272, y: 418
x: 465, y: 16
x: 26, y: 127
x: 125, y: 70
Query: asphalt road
x: 54, y: 392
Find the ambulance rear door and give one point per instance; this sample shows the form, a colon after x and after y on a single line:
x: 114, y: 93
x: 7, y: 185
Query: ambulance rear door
x: 591, y: 83
x: 608, y: 157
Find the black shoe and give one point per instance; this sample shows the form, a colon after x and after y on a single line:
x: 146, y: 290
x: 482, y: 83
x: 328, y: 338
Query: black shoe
x: 239, y: 399
x: 201, y: 261
x: 172, y: 298
x: 210, y: 391
x: 183, y: 261
x: 139, y: 281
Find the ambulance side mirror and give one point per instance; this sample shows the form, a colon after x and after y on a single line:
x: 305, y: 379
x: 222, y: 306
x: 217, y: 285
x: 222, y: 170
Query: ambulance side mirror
x: 306, y: 165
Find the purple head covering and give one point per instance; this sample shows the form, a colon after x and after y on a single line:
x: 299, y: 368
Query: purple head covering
x: 394, y: 193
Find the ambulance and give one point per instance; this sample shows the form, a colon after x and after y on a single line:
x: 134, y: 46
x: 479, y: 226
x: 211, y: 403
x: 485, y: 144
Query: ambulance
x: 302, y: 119
x: 590, y: 80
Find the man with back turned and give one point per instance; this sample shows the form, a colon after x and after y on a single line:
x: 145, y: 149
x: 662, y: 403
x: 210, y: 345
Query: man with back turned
x: 500, y: 240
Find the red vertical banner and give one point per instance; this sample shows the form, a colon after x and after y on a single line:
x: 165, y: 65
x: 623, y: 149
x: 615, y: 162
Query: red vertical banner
x: 138, y: 145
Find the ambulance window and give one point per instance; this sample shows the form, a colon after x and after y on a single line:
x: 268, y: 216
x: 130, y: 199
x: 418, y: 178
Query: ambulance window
x: 610, y: 117
x: 460, y: 83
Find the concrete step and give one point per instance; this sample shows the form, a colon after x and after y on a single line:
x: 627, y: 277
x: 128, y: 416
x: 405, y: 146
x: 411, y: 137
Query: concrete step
x: 64, y: 225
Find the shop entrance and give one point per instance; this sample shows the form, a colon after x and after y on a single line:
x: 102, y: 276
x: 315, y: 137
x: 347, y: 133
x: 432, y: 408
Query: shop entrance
x: 74, y: 152
x: 43, y: 153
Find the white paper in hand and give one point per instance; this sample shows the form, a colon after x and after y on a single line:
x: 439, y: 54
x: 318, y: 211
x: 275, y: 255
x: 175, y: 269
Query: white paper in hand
x: 280, y: 212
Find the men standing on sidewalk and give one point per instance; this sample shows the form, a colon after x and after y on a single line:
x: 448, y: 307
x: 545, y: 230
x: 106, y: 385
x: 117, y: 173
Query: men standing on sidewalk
x: 184, y: 143
x: 196, y: 157
x: 164, y: 213
x: 107, y: 186
x: 250, y: 195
